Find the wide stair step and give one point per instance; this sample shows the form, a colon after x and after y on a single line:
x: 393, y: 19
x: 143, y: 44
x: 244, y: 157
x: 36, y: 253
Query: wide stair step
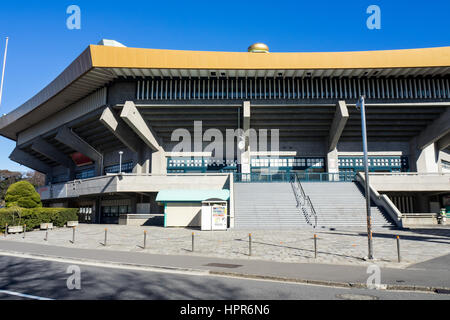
x: 273, y: 206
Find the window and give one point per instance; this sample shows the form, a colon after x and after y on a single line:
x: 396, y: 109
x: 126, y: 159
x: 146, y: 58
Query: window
x: 86, y: 173
x: 127, y: 167
x: 378, y: 164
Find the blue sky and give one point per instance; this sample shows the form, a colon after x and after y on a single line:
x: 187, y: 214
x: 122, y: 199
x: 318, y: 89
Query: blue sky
x: 41, y: 46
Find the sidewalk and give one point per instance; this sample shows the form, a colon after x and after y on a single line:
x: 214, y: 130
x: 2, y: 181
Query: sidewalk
x: 416, y: 277
x: 339, y: 246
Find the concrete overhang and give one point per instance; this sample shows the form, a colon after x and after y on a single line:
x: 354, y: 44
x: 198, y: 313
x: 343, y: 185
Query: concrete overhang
x: 98, y: 65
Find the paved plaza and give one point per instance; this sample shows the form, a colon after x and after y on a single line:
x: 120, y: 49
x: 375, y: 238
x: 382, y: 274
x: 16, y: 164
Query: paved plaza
x: 339, y: 246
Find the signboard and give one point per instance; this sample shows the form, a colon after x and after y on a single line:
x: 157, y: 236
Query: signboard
x: 219, y: 217
x: 80, y: 159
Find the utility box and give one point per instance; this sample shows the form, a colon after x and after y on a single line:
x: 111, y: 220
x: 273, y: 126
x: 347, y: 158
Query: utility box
x: 214, y: 215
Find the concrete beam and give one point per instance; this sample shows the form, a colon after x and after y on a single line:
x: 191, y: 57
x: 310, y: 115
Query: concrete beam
x: 436, y: 130
x: 120, y: 129
x: 71, y: 139
x: 444, y: 142
x: 131, y: 115
x: 29, y: 161
x: 43, y: 147
x: 340, y: 119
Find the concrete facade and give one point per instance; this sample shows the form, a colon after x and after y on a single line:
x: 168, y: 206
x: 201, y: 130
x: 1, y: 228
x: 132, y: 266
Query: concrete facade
x: 313, y: 113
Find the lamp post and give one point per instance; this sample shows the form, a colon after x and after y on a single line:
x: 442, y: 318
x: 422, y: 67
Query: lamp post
x: 361, y: 105
x: 120, y: 161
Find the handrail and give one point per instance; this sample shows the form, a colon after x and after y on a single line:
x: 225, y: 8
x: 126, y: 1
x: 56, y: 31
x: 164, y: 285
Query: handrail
x: 304, y: 203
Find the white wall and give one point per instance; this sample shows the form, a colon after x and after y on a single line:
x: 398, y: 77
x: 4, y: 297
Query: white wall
x: 183, y: 214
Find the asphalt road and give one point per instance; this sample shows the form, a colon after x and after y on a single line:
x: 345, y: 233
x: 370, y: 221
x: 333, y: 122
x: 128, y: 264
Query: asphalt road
x: 48, y: 279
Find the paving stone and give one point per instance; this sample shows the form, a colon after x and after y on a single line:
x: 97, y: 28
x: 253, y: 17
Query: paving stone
x: 340, y: 246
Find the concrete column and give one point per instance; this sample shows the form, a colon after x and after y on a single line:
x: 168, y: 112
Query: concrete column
x: 424, y: 160
x: 245, y: 155
x: 142, y: 161
x: 159, y: 162
x: 332, y: 164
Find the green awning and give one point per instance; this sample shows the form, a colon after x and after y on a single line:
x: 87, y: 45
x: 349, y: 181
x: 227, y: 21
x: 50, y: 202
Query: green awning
x: 191, y: 195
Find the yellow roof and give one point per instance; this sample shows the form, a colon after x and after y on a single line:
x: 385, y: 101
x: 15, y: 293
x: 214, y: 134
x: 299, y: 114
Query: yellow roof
x: 120, y: 57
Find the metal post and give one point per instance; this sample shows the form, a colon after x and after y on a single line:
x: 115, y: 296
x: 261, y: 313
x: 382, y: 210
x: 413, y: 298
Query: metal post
x: 46, y: 235
x: 120, y: 161
x: 73, y: 235
x: 249, y: 244
x: 24, y: 230
x: 3, y: 71
x: 145, y: 239
x: 361, y: 104
x: 315, y: 246
x: 106, y: 235
x: 398, y: 249
x: 192, y: 242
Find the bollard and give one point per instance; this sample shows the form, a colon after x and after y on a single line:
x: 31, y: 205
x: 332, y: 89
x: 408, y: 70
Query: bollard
x: 46, y: 235
x: 73, y: 235
x: 145, y: 239
x: 6, y: 229
x: 398, y: 249
x: 24, y: 230
x: 106, y: 237
x: 192, y: 242
x: 249, y: 244
x: 315, y: 246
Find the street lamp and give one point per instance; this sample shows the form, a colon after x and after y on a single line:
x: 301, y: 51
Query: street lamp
x: 120, y: 161
x: 361, y: 105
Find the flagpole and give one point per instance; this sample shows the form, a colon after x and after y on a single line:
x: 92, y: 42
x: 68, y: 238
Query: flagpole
x: 3, y: 71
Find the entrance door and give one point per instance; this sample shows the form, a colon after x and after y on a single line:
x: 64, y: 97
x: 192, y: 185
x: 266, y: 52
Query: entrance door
x: 86, y: 214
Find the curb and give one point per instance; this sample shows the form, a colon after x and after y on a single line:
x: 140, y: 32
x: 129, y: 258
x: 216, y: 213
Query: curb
x: 358, y: 285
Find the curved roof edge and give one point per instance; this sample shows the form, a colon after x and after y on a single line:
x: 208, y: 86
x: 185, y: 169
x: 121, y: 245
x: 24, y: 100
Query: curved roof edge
x: 115, y: 57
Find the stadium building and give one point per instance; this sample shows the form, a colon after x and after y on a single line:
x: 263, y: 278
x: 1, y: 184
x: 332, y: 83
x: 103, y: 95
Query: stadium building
x: 104, y: 133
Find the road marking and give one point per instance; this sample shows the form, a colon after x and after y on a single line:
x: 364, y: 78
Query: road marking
x: 23, y: 295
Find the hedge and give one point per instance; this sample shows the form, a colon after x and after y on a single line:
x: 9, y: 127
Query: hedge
x: 35, y: 216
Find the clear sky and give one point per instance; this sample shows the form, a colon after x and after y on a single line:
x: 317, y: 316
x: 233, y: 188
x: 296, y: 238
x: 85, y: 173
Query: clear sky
x: 41, y: 45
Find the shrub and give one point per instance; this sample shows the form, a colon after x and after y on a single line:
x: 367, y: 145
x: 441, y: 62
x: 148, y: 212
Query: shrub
x: 22, y: 194
x: 35, y: 216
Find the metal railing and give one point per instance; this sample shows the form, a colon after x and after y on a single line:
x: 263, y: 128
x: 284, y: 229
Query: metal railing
x: 304, y: 203
x: 288, y: 176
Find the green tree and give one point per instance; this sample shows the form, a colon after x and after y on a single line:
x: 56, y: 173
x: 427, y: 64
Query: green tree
x: 22, y: 194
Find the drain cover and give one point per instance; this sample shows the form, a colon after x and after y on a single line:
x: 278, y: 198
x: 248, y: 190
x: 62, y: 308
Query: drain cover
x: 350, y: 296
x: 223, y: 265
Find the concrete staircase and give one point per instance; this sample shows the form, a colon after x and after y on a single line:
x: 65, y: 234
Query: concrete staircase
x: 342, y: 204
x: 266, y: 206
x: 273, y: 206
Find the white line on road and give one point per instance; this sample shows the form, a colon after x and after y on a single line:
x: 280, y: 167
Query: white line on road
x: 23, y: 295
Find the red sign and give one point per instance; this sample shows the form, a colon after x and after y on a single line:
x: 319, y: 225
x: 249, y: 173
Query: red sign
x: 80, y: 159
